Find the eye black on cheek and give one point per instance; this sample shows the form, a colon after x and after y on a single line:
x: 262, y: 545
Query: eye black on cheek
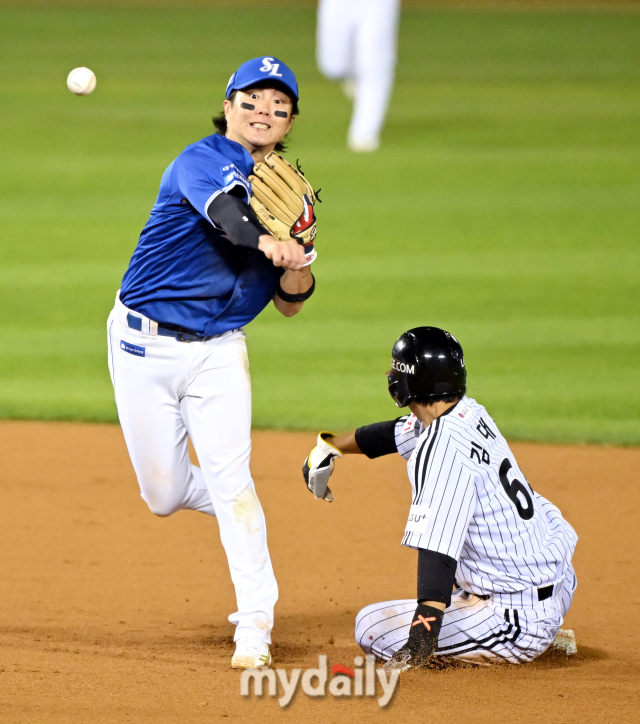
x: 281, y: 114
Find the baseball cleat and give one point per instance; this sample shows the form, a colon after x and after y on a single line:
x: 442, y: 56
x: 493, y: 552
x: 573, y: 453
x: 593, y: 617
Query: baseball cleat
x: 251, y: 654
x: 400, y: 661
x: 349, y: 88
x: 363, y: 145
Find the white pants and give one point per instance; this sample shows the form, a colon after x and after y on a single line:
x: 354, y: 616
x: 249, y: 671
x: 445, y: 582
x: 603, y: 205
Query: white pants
x: 168, y: 391
x: 473, y: 629
x: 356, y: 41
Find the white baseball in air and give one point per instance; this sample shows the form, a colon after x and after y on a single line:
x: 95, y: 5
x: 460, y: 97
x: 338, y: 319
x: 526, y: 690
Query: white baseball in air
x: 81, y: 81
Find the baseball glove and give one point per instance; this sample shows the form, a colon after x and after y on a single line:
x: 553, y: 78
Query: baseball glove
x: 319, y: 465
x: 283, y: 200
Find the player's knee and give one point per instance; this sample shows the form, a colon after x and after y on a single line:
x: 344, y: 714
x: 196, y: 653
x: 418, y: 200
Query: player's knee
x: 331, y: 67
x: 162, y: 509
x: 160, y: 505
x: 363, y: 612
x: 364, y: 639
x: 362, y: 625
x: 333, y: 72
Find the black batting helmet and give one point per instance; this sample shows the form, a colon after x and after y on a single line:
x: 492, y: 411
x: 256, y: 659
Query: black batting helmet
x: 426, y: 362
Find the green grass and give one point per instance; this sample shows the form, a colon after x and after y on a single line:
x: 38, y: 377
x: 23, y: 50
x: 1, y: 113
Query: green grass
x: 504, y: 206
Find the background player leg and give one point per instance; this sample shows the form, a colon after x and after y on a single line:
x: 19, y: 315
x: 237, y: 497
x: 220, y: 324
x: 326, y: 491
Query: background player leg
x: 335, y: 35
x: 217, y: 412
x: 375, y: 59
x: 147, y: 391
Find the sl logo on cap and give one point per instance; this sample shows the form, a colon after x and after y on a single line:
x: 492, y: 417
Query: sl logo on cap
x: 269, y: 65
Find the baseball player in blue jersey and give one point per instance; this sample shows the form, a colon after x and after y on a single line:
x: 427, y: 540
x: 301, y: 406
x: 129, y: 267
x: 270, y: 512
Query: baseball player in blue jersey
x: 203, y: 268
x: 477, y: 524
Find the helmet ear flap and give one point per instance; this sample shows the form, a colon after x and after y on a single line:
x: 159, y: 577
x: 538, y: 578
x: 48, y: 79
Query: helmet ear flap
x: 398, y: 389
x: 458, y: 356
x: 392, y: 386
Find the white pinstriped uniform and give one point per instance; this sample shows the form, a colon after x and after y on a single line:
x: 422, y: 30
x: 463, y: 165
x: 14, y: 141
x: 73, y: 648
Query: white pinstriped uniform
x: 472, y: 502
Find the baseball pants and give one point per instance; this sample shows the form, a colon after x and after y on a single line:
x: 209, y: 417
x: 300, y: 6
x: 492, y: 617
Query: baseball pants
x: 473, y: 629
x: 169, y: 391
x: 356, y: 41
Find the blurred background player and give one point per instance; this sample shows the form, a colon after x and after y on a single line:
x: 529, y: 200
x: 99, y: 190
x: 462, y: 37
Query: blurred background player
x: 356, y: 43
x: 203, y: 268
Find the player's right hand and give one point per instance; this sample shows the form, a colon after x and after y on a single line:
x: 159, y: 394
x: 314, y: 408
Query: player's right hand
x: 288, y: 254
x: 422, y: 642
x: 319, y: 465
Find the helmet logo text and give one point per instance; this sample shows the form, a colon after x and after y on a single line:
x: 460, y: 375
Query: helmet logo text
x: 403, y: 367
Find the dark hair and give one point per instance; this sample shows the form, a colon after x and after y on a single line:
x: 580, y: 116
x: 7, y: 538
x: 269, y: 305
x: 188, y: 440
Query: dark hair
x: 452, y: 397
x: 220, y: 121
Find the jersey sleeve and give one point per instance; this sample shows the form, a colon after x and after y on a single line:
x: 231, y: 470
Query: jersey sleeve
x: 407, y: 431
x: 444, y: 494
x: 201, y: 175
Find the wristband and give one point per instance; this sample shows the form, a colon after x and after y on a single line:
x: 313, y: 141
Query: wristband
x: 296, y: 298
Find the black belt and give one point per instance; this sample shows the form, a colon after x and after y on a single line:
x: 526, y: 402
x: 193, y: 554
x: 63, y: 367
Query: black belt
x: 168, y: 330
x: 543, y: 593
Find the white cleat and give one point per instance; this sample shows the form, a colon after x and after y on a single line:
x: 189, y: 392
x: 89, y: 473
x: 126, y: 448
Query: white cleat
x: 364, y: 145
x: 251, y: 653
x: 349, y: 88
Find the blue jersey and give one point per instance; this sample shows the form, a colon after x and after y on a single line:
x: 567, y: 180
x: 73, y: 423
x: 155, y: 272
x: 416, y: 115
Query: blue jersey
x: 184, y: 271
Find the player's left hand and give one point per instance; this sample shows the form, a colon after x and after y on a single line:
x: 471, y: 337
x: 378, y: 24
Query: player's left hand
x: 319, y: 465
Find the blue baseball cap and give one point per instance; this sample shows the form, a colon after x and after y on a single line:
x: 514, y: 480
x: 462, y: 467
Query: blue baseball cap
x: 260, y: 69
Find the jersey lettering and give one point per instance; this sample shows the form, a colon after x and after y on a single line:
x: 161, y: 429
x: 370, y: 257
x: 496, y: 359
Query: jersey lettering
x: 133, y: 349
x: 402, y: 367
x: 516, y: 492
x: 479, y: 452
x: 484, y: 430
x: 418, y: 519
x: 268, y: 66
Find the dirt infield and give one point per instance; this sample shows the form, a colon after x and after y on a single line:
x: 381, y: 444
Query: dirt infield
x: 109, y: 614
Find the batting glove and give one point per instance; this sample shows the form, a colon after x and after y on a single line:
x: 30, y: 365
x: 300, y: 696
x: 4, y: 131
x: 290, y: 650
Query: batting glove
x: 319, y: 465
